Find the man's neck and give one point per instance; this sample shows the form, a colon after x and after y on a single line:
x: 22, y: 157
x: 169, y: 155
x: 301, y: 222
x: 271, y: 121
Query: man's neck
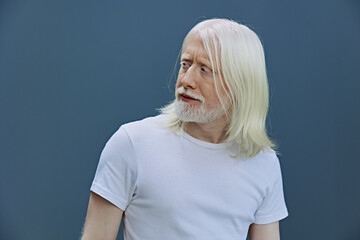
x: 209, y: 132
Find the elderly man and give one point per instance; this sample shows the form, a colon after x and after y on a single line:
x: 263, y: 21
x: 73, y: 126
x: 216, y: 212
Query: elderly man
x: 204, y: 168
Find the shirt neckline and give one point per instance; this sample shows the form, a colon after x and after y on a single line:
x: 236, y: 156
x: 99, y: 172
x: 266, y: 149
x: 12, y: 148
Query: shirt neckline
x: 203, y: 143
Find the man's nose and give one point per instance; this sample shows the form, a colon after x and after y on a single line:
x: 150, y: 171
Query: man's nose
x: 189, y: 79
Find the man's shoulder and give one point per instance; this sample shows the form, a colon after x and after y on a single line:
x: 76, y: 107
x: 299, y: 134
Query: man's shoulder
x: 146, y: 127
x: 265, y: 159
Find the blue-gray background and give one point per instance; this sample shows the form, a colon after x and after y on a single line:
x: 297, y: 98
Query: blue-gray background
x: 71, y: 72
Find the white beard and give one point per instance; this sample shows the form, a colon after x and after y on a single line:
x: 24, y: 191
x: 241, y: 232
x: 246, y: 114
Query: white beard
x: 188, y: 113
x: 200, y: 114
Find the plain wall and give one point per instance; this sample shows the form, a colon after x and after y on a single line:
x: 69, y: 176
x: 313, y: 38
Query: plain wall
x: 71, y: 72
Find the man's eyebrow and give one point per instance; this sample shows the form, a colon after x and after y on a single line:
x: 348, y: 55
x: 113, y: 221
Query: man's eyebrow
x: 204, y: 61
x: 185, y: 56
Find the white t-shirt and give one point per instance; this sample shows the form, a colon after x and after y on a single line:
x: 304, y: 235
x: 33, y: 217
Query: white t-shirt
x: 179, y: 187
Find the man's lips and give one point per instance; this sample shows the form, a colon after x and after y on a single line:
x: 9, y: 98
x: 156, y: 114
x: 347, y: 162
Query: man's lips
x: 185, y: 97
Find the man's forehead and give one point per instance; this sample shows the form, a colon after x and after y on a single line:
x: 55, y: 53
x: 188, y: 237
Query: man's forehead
x: 188, y: 50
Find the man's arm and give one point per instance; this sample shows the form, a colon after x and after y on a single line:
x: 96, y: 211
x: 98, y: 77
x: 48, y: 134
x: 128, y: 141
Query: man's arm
x: 102, y: 219
x: 264, y: 231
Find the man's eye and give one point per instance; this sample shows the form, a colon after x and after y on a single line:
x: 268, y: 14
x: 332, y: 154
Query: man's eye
x: 184, y: 64
x: 206, y: 70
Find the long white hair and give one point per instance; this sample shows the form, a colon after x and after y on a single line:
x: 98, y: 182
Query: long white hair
x: 236, y: 52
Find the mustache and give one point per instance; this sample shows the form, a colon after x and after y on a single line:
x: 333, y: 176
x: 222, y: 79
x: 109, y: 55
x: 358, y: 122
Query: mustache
x: 181, y: 90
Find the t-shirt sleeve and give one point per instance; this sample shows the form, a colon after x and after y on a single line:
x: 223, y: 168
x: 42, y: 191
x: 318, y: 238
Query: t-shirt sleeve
x: 116, y: 174
x: 273, y: 207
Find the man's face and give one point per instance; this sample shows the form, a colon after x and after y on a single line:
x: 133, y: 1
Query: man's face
x: 196, y: 98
